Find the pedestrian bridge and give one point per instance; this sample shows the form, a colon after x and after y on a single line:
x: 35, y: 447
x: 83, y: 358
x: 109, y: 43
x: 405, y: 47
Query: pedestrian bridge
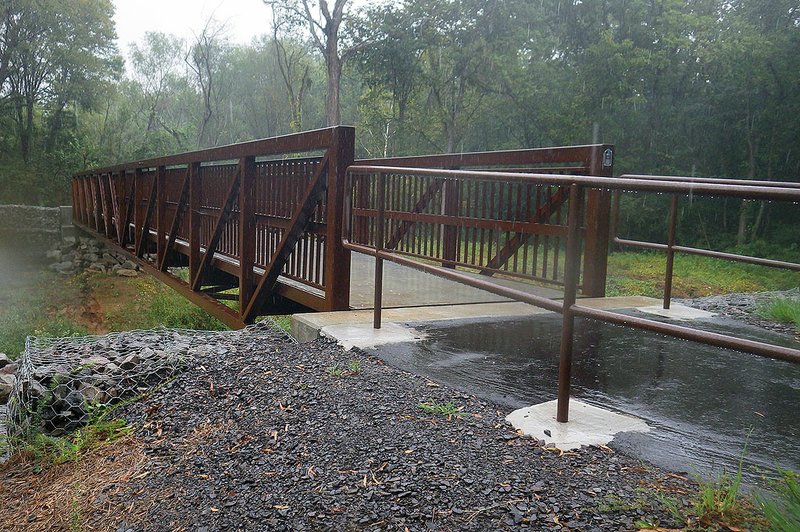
x: 295, y: 223
x: 259, y: 226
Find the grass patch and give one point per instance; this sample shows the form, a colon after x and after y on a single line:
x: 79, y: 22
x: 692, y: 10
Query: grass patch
x: 694, y: 276
x: 448, y: 409
x: 50, y: 450
x: 782, y: 507
x: 353, y: 368
x: 782, y: 310
x: 284, y: 322
x: 38, y: 310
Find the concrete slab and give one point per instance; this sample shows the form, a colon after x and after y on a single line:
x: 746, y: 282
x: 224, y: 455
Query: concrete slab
x: 306, y: 327
x: 364, y: 336
x: 618, y: 302
x: 677, y: 312
x: 407, y: 287
x: 588, y: 425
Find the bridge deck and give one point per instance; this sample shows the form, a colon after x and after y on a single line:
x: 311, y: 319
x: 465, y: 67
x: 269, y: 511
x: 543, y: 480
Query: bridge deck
x: 406, y: 287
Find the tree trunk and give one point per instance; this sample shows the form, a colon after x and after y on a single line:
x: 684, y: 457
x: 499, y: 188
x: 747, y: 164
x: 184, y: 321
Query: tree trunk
x: 334, y: 64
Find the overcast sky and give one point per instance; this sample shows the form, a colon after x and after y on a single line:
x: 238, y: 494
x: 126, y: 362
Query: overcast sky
x: 244, y: 18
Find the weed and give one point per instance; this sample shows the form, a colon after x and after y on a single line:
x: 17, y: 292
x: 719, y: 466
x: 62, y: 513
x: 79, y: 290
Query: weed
x: 782, y: 508
x: 335, y: 371
x: 284, y: 322
x: 52, y: 450
x: 782, y: 310
x: 354, y: 366
x: 448, y: 409
x: 75, y: 517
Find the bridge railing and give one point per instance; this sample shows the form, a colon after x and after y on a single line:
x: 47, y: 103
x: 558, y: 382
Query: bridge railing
x: 260, y: 218
x: 671, y: 246
x: 574, y: 233
x: 514, y: 229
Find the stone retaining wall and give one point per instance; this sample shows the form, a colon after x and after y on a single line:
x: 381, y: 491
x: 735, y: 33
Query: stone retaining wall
x: 31, y: 225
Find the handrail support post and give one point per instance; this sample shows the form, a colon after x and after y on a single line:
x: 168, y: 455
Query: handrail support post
x: 673, y: 224
x: 379, y: 245
x: 571, y: 275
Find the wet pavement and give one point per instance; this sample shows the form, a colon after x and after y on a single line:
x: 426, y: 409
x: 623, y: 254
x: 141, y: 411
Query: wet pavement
x: 407, y: 287
x: 704, y: 403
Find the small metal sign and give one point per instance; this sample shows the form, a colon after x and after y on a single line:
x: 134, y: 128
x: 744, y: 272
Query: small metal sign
x: 608, y: 158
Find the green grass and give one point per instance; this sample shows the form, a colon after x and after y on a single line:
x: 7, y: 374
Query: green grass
x: 353, y: 368
x: 28, y: 312
x: 782, y: 310
x: 643, y: 274
x: 47, y: 451
x: 782, y: 507
x: 284, y: 322
x: 448, y: 409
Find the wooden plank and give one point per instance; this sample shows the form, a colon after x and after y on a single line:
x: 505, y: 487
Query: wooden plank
x: 219, y: 227
x: 300, y: 218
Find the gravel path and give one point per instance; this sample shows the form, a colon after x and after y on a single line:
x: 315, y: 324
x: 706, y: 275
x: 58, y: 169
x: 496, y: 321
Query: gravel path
x: 270, y: 434
x: 745, y: 307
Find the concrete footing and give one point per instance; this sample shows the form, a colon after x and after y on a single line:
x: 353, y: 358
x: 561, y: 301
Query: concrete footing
x: 364, y: 336
x: 676, y: 312
x: 587, y: 425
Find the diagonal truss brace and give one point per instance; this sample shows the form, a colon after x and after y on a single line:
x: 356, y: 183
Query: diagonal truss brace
x: 147, y: 217
x: 219, y: 226
x: 305, y: 210
x: 180, y: 210
x: 421, y: 205
x: 542, y: 214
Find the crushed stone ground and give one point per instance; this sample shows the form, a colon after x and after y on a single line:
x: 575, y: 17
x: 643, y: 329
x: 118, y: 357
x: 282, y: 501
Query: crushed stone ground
x: 272, y: 435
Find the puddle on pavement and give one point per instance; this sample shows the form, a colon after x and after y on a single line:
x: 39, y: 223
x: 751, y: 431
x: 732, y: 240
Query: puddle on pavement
x: 702, y: 401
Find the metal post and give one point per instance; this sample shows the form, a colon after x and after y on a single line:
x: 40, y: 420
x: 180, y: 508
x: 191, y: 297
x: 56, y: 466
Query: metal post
x: 572, y: 264
x: 379, y: 244
x: 673, y: 223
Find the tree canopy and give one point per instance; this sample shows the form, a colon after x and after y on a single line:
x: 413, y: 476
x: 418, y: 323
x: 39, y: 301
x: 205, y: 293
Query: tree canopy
x: 703, y: 87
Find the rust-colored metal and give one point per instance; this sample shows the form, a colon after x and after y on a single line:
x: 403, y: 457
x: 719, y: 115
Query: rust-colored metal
x: 577, y: 215
x: 673, y: 226
x: 379, y: 245
x: 227, y: 221
x: 571, y: 273
x: 696, y: 335
x: 301, y: 216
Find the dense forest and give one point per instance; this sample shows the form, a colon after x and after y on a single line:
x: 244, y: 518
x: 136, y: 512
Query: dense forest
x: 691, y: 87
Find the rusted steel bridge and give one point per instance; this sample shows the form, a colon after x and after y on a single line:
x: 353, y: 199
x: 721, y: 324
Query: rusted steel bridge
x: 261, y: 223
x: 269, y: 225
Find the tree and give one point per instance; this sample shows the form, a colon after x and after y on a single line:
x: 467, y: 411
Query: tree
x: 206, y: 58
x: 59, y: 52
x: 155, y: 65
x: 323, y: 25
x: 294, y: 65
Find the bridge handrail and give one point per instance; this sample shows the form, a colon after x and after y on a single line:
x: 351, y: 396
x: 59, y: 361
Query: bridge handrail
x: 578, y: 186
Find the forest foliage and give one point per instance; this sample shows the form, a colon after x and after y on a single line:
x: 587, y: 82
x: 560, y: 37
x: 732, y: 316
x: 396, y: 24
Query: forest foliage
x: 688, y: 87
